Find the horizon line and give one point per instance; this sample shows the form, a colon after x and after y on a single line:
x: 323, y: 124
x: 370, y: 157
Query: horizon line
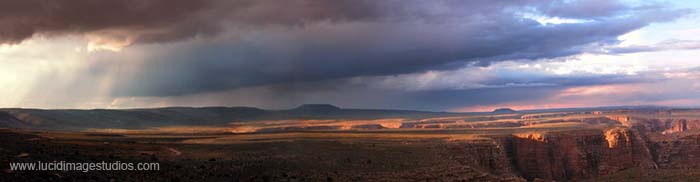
x: 291, y: 108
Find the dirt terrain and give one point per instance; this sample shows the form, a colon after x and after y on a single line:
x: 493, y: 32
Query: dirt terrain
x: 606, y: 145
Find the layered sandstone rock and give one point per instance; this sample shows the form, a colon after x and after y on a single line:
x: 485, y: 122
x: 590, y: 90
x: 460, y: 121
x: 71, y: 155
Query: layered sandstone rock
x: 562, y: 156
x: 486, y: 155
x: 576, y: 155
x: 667, y: 126
x: 677, y: 151
x: 623, y: 119
x: 625, y: 149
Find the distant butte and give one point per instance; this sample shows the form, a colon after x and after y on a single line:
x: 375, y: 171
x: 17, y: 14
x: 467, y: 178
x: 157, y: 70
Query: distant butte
x: 504, y: 110
x: 317, y: 107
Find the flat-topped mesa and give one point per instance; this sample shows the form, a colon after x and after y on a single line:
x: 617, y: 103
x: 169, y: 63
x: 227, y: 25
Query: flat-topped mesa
x: 317, y: 107
x: 504, y: 111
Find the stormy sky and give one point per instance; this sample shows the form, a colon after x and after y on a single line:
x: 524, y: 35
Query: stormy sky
x: 405, y: 54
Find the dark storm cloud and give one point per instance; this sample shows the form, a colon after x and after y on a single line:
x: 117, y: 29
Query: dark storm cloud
x: 507, y: 92
x: 272, y: 42
x: 21, y: 19
x: 589, y: 9
x: 502, y: 91
x: 429, y: 100
x: 152, y: 21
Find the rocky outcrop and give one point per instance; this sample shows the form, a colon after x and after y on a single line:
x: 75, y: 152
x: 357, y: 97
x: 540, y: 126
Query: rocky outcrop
x: 573, y: 155
x: 673, y: 142
x: 486, y: 155
x: 622, y: 142
x: 677, y: 152
x: 590, y: 120
x: 667, y: 126
x: 623, y: 119
x: 680, y: 125
x: 570, y: 155
x: 625, y: 148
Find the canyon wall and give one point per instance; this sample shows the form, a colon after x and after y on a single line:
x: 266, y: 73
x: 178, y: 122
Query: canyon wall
x: 588, y: 153
x: 579, y: 154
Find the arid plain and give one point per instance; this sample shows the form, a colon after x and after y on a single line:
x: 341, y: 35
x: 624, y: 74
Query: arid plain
x: 314, y: 143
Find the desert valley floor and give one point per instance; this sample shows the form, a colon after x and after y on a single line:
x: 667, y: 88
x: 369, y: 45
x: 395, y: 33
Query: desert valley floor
x: 569, y: 145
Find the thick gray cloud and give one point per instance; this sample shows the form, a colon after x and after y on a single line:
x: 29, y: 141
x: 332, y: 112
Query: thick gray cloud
x: 151, y: 21
x: 171, y: 19
x: 364, y: 93
x: 216, y: 45
x: 588, y: 9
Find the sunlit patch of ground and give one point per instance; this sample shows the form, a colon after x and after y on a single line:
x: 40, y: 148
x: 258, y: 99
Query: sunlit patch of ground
x: 252, y: 127
x: 558, y: 125
x: 402, y: 124
x: 327, y: 136
x: 482, y: 127
x: 167, y: 130
x: 448, y: 128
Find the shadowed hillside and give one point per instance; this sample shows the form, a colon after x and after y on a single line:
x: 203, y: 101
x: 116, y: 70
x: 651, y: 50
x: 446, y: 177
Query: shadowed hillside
x: 174, y: 116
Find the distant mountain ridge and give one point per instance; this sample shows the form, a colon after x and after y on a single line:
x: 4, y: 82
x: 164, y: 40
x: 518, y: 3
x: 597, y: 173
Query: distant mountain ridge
x: 504, y: 111
x: 317, y: 107
x: 73, y: 119
x: 70, y: 119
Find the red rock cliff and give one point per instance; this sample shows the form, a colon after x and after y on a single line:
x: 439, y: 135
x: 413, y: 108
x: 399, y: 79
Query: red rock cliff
x: 576, y: 155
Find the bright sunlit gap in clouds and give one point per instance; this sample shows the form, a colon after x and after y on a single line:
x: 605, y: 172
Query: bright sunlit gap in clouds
x: 50, y: 73
x: 548, y: 20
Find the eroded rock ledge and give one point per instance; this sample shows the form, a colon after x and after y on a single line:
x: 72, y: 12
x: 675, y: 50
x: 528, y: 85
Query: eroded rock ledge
x: 589, y: 153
